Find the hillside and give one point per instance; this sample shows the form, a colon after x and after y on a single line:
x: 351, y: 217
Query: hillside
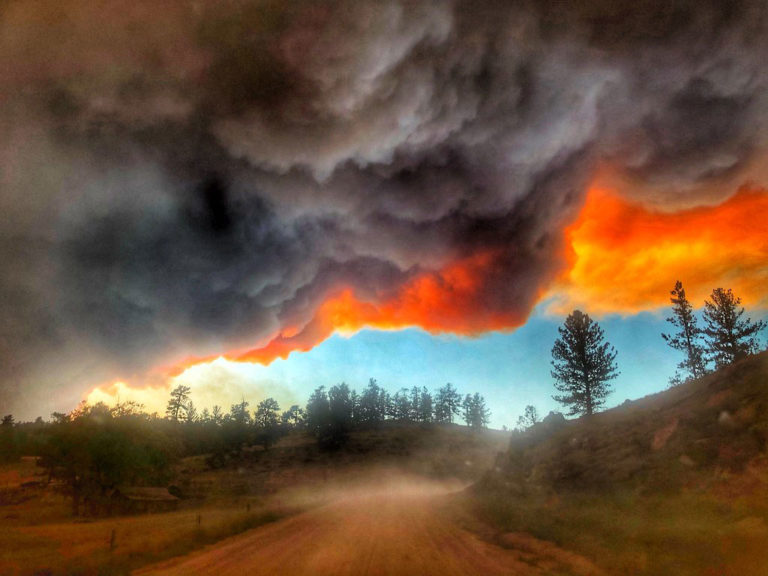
x: 440, y: 452
x: 676, y: 482
x: 688, y: 436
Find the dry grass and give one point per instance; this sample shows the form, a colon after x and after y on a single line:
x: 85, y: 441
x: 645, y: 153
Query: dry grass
x: 76, y: 546
x: 691, y: 534
x: 39, y: 536
x: 676, y: 483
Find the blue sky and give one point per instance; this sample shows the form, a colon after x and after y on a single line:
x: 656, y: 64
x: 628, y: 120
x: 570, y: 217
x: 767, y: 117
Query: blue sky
x: 509, y: 369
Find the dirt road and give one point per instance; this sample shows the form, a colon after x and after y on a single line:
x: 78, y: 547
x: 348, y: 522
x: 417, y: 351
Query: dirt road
x: 386, y: 532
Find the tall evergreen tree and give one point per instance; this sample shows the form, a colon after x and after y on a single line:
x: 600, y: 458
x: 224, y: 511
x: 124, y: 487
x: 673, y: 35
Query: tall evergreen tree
x: 687, y: 339
x: 729, y: 337
x: 583, y: 364
x: 8, y: 451
x: 476, y: 413
x: 191, y: 415
x: 318, y: 411
x: 266, y: 413
x: 177, y: 405
x: 217, y: 416
x: 425, y: 406
x: 266, y: 420
x: 373, y: 404
x: 239, y: 413
x: 294, y: 417
x: 401, y: 406
x: 341, y: 408
x: 447, y: 404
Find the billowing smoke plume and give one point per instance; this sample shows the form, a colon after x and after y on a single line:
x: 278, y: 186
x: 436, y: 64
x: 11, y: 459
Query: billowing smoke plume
x: 189, y: 178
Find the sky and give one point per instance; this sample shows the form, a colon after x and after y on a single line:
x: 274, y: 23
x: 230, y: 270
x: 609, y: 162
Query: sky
x: 258, y: 197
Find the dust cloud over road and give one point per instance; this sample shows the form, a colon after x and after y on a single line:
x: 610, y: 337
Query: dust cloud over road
x: 402, y: 528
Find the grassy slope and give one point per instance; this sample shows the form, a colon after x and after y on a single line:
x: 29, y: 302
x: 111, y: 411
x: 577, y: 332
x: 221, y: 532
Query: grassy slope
x: 675, y: 483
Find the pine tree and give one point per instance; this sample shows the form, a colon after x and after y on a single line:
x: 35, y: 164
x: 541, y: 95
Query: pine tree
x: 266, y: 420
x: 191, y: 415
x: 239, y: 413
x: 529, y: 418
x: 177, y: 405
x: 318, y: 411
x: 217, y: 416
x: 373, y: 404
x: 729, y: 337
x: 476, y: 414
x: 583, y: 364
x: 425, y: 406
x: 447, y: 404
x: 687, y: 338
x: 266, y: 413
x: 401, y: 406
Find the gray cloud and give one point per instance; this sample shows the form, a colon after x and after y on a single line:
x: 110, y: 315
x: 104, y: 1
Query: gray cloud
x: 188, y: 178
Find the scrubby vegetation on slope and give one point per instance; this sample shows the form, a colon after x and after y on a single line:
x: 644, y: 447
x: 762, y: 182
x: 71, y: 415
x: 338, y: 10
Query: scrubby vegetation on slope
x: 675, y: 483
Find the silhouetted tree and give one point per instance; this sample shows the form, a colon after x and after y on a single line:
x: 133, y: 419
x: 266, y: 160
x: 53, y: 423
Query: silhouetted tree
x: 266, y: 420
x: 425, y: 406
x: 127, y: 408
x: 529, y: 418
x: 59, y: 417
x: 447, y: 404
x: 205, y: 416
x: 239, y: 413
x: 583, y: 364
x: 686, y: 339
x: 177, y: 405
x: 293, y: 417
x: 217, y: 416
x: 401, y: 406
x: 374, y: 403
x: 729, y: 337
x: 341, y: 408
x: 8, y: 448
x: 318, y: 411
x: 476, y: 414
x: 329, y: 415
x: 354, y: 400
x: 191, y: 415
x: 340, y: 404
x: 93, y: 451
x: 266, y: 413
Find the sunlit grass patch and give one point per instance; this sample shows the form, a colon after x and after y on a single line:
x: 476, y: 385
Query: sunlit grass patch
x: 89, y: 547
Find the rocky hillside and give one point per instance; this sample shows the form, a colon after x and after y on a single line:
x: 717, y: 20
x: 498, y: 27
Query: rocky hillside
x: 703, y: 431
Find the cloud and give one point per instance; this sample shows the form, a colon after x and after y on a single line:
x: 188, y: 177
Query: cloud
x: 191, y: 179
x: 625, y: 258
x: 218, y: 383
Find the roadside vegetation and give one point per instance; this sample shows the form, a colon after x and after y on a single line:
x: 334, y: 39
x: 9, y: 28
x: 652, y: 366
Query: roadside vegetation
x: 675, y: 483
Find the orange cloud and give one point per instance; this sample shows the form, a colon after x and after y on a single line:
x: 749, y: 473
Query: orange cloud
x: 625, y: 258
x: 620, y: 258
x: 447, y: 300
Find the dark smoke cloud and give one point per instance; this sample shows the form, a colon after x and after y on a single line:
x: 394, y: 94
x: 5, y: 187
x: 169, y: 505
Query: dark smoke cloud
x: 187, y: 177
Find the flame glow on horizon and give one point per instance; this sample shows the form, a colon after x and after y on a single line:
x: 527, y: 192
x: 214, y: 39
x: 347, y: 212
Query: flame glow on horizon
x: 622, y: 258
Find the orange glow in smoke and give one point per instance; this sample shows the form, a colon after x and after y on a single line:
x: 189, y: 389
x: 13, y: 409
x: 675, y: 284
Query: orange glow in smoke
x: 448, y: 300
x: 621, y: 258
x: 625, y: 258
